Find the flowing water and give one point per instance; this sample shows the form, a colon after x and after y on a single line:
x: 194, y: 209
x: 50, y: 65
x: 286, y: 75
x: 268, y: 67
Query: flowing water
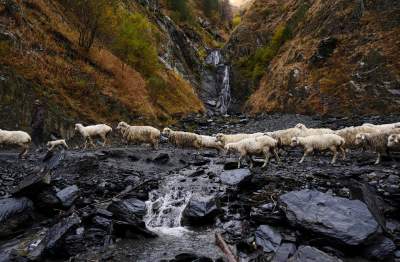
x: 218, y: 80
x: 164, y: 212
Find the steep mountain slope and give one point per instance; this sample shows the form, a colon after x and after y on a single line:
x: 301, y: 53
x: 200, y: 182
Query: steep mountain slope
x: 327, y: 57
x: 40, y: 58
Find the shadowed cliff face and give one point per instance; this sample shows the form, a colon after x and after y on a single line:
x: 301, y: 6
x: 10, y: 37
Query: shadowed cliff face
x: 325, y: 57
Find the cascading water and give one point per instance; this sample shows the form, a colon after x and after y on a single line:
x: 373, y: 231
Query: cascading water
x: 225, y: 94
x: 165, y: 207
x: 218, y: 84
x: 164, y: 213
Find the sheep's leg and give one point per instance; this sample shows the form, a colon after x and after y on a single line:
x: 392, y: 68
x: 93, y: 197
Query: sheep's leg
x: 104, y: 138
x: 335, y: 153
x: 306, y: 153
x: 343, y: 152
x: 24, y: 151
x: 240, y: 160
x: 91, y: 142
x: 378, y: 160
x: 251, y: 161
x: 85, y: 146
x: 267, y: 156
x: 278, y: 159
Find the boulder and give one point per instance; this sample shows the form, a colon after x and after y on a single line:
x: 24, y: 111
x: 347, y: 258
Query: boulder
x: 131, y: 207
x: 200, y: 210
x: 268, y: 238
x: 347, y: 221
x: 285, y: 251
x: 311, y: 254
x: 380, y: 249
x: 14, y: 213
x: 68, y: 195
x: 129, y: 213
x: 53, y: 236
x: 236, y: 177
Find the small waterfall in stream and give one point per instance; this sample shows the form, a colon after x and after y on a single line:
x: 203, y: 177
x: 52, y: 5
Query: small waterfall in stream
x: 218, y: 99
x: 165, y: 207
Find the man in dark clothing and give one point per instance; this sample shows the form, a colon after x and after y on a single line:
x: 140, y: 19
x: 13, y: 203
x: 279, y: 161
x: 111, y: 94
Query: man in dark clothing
x: 37, y: 123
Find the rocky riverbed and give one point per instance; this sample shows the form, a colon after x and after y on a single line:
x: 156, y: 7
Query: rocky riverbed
x: 138, y: 204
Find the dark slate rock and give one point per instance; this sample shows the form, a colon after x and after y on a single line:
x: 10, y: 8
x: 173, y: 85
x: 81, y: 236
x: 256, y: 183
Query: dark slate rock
x: 130, y: 212
x: 53, y: 236
x: 200, y: 210
x: 380, y: 249
x: 268, y: 238
x: 285, y: 251
x: 14, y: 213
x: 68, y: 195
x: 162, y: 159
x: 348, y: 221
x: 236, y: 177
x: 311, y: 254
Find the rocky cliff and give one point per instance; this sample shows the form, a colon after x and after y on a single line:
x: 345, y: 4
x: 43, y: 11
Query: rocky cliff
x: 41, y: 59
x: 327, y: 57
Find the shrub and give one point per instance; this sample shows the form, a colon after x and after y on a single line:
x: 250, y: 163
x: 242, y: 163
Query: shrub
x: 134, y: 43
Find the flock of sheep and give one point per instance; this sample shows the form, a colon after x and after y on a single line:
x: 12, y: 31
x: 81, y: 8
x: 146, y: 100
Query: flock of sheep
x: 377, y: 138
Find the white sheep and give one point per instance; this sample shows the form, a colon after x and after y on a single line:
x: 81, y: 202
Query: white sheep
x: 349, y: 134
x: 261, y: 145
x: 19, y: 138
x: 377, y: 142
x: 383, y: 127
x: 182, y: 139
x: 394, y: 140
x: 285, y: 136
x: 140, y: 134
x: 89, y: 132
x: 226, y: 139
x: 312, y: 131
x: 322, y: 142
x: 210, y: 142
x: 52, y: 144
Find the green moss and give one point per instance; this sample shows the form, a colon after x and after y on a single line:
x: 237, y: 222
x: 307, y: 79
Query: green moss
x: 254, y: 66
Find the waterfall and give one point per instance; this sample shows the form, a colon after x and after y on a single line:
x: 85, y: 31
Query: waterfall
x: 225, y: 95
x: 222, y: 94
x: 165, y: 207
x: 214, y: 58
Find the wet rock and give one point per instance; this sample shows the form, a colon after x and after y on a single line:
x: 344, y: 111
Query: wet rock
x: 236, y: 177
x: 200, y: 210
x: 268, y: 238
x: 380, y: 249
x: 129, y: 212
x: 14, y: 213
x: 161, y: 159
x: 311, y: 254
x: 101, y: 222
x: 348, y: 221
x: 285, y: 251
x: 49, y: 244
x: 131, y: 207
x: 68, y: 195
x: 267, y: 214
x: 32, y: 184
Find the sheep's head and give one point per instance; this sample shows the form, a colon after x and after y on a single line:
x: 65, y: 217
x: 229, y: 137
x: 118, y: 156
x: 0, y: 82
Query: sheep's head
x: 301, y: 126
x: 122, y: 125
x: 77, y: 126
x: 219, y: 137
x: 393, y: 140
x: 294, y: 142
x: 167, y: 132
x: 360, y: 138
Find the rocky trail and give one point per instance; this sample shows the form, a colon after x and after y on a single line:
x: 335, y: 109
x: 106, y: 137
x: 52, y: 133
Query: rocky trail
x: 137, y: 204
